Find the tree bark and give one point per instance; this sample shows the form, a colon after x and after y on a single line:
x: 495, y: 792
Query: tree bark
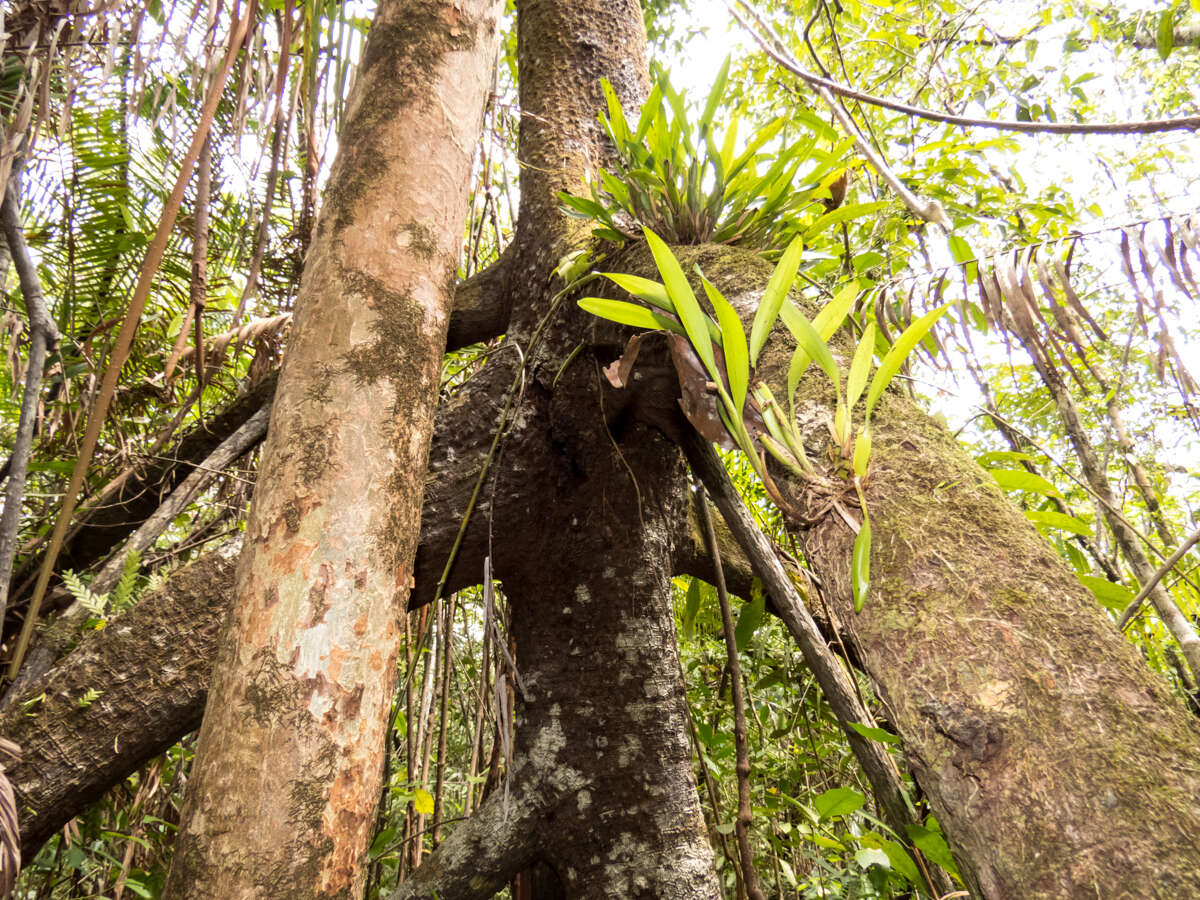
x: 150, y: 667
x: 1054, y: 759
x: 289, y: 760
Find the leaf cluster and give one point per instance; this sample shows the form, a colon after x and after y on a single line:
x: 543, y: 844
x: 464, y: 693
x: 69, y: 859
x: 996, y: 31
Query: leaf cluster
x: 684, y: 181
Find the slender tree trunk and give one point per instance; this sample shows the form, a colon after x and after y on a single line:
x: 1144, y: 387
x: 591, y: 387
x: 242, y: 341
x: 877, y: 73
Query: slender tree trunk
x: 289, y: 761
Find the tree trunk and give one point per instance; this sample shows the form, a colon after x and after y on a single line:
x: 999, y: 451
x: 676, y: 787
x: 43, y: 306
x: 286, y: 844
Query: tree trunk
x: 288, y: 765
x: 1054, y: 759
x: 601, y: 734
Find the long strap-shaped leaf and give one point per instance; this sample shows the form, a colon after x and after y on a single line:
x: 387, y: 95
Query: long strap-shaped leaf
x: 687, y: 307
x: 899, y: 353
x: 773, y: 297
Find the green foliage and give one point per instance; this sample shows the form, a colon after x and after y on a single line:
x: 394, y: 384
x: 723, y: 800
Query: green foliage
x: 102, y: 606
x: 814, y: 832
x: 676, y: 309
x: 679, y: 179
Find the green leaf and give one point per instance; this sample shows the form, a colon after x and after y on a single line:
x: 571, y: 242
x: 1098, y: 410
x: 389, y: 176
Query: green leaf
x: 582, y: 207
x: 1020, y: 480
x: 869, y: 856
x: 989, y: 459
x: 901, y: 862
x: 827, y: 321
x: 687, y: 307
x: 760, y: 137
x: 875, y: 734
x: 1047, y: 518
x: 1164, y: 40
x: 962, y: 253
x: 728, y: 146
x: 616, y: 115
x: 895, y: 357
x: 136, y: 887
x: 628, y: 314
x: 814, y: 347
x: 642, y: 288
x: 933, y: 845
x: 833, y: 313
x: 773, y: 297
x: 860, y: 565
x: 733, y: 342
x: 423, y: 802
x: 1111, y: 596
x: 648, y: 109
x: 860, y: 366
x: 862, y: 450
x: 382, y: 841
x: 842, y: 214
x: 840, y: 801
x: 714, y: 97
x: 749, y: 620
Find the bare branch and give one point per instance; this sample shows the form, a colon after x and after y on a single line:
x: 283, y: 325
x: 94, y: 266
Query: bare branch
x: 775, y: 50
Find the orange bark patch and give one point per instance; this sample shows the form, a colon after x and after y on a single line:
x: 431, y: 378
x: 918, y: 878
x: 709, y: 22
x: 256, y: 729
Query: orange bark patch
x: 293, y: 555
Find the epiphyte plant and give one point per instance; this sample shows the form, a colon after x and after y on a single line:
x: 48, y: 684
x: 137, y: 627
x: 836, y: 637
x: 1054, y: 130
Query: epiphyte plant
x: 726, y: 357
x: 691, y: 185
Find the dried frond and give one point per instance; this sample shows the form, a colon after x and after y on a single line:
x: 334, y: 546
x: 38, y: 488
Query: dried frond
x: 10, y: 831
x: 253, y: 330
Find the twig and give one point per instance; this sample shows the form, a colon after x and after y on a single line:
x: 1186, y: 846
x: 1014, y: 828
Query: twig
x: 43, y: 335
x: 744, y: 815
x: 781, y: 56
x: 927, y: 209
x: 710, y: 788
x: 1159, y: 575
x: 228, y: 451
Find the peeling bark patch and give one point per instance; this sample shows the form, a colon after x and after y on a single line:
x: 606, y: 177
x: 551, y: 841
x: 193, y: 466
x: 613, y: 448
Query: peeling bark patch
x: 411, y: 48
x: 317, y: 600
x: 977, y: 735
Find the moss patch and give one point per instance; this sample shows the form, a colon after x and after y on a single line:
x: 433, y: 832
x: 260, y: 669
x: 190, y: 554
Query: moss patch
x: 397, y: 329
x: 398, y: 68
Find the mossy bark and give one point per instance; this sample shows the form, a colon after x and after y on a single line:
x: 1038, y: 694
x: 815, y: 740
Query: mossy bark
x: 288, y: 765
x: 1057, y: 762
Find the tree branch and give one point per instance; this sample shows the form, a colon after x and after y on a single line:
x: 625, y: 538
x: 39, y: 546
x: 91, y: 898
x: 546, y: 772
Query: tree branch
x: 1159, y: 575
x: 43, y: 335
x: 151, y: 666
x: 878, y: 766
x: 780, y: 55
x: 480, y: 857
